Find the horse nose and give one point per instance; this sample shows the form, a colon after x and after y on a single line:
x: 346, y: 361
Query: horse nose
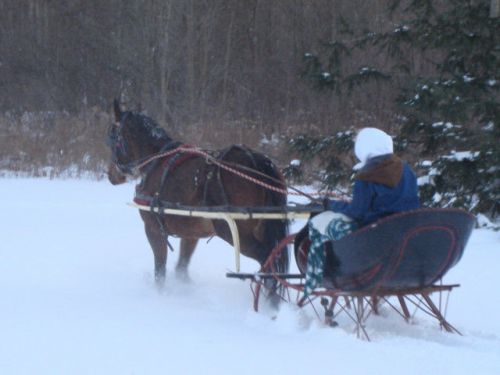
x: 114, y: 176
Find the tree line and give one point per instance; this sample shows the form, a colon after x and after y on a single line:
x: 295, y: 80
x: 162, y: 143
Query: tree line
x: 185, y: 61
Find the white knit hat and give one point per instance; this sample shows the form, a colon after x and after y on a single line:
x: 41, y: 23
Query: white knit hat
x: 371, y: 142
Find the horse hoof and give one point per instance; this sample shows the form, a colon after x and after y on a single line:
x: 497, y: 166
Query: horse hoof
x: 332, y: 324
x: 274, y: 300
x: 160, y: 283
x: 182, y: 276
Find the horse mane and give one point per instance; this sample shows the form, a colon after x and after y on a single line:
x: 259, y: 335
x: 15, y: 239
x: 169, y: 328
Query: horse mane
x: 147, y: 130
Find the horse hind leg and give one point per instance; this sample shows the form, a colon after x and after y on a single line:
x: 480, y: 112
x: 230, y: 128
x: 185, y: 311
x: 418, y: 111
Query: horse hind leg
x: 268, y: 234
x: 187, y: 247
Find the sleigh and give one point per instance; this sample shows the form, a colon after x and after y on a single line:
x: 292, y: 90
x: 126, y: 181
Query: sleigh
x: 399, y: 261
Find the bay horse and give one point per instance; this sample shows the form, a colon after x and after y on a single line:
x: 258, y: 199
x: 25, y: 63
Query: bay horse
x: 137, y: 144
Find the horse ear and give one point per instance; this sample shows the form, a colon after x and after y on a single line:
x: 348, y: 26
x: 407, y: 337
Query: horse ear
x: 118, y: 112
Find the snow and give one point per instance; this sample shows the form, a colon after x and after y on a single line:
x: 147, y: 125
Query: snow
x: 272, y: 141
x: 436, y: 198
x: 490, y: 126
x: 484, y: 222
x: 423, y: 180
x: 468, y: 78
x: 462, y: 155
x: 77, y: 297
x: 402, y: 29
x: 445, y: 125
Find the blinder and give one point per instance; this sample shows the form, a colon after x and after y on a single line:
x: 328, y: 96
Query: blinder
x: 119, y: 146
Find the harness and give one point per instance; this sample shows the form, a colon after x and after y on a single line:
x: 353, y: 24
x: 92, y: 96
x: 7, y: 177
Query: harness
x: 168, y: 163
x: 171, y: 161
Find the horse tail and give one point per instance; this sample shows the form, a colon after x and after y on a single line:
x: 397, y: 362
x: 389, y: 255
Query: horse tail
x: 262, y: 168
x: 275, y: 230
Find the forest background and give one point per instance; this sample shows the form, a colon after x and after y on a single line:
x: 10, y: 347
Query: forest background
x: 211, y: 72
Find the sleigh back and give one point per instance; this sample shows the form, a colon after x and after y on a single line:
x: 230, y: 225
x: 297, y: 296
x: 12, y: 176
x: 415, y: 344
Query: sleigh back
x: 406, y: 250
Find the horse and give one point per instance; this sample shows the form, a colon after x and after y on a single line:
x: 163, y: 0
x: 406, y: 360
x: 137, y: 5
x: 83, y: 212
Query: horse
x: 169, y: 173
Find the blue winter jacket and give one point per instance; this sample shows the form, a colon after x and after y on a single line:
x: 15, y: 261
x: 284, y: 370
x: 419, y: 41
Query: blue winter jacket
x: 372, y: 201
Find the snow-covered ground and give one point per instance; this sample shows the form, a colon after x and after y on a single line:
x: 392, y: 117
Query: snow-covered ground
x: 77, y: 297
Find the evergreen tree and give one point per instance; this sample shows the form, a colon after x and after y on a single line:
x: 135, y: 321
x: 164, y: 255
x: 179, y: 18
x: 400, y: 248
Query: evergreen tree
x: 448, y: 114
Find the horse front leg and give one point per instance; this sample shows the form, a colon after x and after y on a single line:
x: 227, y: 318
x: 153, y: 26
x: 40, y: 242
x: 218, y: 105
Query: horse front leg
x: 186, y: 251
x: 159, y: 246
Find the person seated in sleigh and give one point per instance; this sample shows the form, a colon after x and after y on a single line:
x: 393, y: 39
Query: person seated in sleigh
x: 383, y: 185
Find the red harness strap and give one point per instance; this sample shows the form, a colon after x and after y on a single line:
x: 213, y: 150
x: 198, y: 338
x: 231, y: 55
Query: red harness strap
x: 169, y: 163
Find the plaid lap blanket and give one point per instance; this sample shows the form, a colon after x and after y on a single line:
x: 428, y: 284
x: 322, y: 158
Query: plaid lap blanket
x: 327, y: 226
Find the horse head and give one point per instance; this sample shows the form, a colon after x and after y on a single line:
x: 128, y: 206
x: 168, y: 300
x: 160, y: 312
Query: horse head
x: 132, y: 138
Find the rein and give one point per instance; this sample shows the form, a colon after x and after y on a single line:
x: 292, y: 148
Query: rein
x: 118, y: 144
x: 210, y: 159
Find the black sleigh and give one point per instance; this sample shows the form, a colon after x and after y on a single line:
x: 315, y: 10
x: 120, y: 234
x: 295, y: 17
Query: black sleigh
x: 408, y: 250
x: 402, y: 257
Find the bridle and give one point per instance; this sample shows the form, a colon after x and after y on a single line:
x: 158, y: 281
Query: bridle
x: 120, y: 146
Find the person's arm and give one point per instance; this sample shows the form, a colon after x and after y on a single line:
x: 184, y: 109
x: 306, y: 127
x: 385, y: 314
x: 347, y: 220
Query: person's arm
x: 360, y: 204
